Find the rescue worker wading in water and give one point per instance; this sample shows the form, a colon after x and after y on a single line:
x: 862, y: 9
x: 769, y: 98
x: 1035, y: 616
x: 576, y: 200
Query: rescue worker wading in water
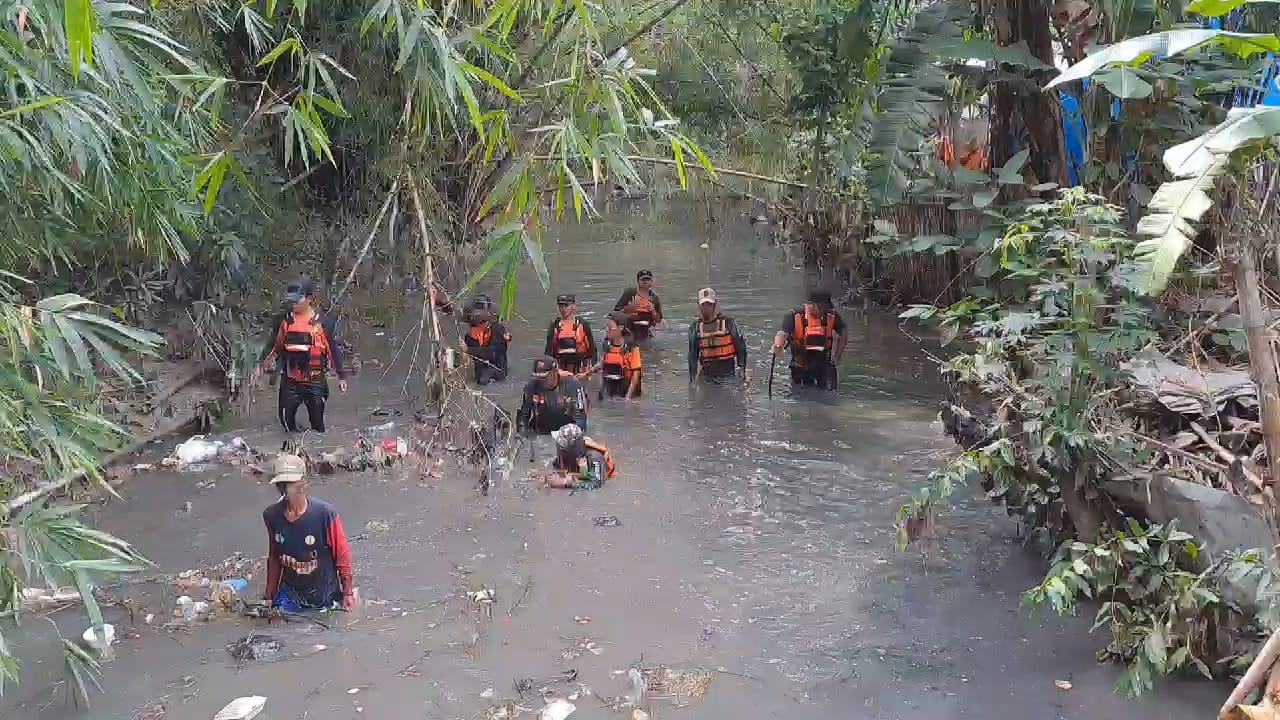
x: 308, y: 352
x: 817, y: 336
x: 486, y: 341
x: 569, y: 338
x: 582, y: 463
x: 642, y: 307
x: 620, y: 366
x: 716, y: 345
x: 551, y: 400
x: 308, y: 559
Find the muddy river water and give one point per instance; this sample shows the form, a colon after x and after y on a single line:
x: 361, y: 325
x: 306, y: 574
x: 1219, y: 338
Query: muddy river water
x: 755, y: 542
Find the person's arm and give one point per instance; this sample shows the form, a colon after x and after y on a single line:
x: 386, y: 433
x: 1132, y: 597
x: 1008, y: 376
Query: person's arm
x: 657, y: 307
x: 842, y: 339
x: 276, y: 347
x: 624, y: 300
x: 342, y: 560
x: 274, y: 568
x: 783, y: 336
x: 693, y: 349
x: 591, y: 341
x: 335, y: 355
x: 270, y: 347
x: 580, y: 407
x: 636, y: 371
x: 551, y: 340
x: 739, y: 345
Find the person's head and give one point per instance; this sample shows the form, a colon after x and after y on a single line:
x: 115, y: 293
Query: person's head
x: 546, y: 372
x: 289, y: 475
x: 707, y: 303
x: 569, y: 439
x: 568, y: 304
x: 481, y: 310
x: 644, y: 279
x: 817, y: 302
x: 302, y: 294
x: 616, y: 327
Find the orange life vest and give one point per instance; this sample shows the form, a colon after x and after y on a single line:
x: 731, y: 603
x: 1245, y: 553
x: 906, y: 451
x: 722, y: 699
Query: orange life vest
x: 615, y: 366
x: 481, y: 334
x: 717, y: 344
x: 813, y: 336
x: 610, y: 469
x: 571, y: 338
x: 641, y: 309
x: 306, y: 348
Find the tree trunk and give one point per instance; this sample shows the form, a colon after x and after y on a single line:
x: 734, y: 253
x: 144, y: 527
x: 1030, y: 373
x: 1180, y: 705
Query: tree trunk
x: 1024, y: 117
x: 1262, y: 361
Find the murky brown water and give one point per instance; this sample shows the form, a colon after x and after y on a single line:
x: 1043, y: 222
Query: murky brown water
x: 755, y: 541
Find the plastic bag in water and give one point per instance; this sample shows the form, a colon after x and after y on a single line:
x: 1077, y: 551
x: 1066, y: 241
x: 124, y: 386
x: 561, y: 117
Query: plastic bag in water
x: 636, y: 695
x: 244, y: 708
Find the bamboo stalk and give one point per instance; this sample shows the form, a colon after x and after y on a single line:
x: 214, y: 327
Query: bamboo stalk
x: 1253, y: 676
x: 1226, y: 455
x: 368, y: 243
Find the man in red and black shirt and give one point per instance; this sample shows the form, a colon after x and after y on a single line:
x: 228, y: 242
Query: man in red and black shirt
x: 308, y: 562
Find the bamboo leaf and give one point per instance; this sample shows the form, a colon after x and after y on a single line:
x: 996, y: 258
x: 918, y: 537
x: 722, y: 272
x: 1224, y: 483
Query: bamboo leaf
x: 497, y: 84
x: 533, y: 247
x: 678, y: 152
x: 81, y: 25
x: 288, y: 45
x: 44, y: 102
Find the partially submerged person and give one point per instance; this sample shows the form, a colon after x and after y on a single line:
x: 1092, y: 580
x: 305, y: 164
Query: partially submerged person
x: 306, y: 352
x: 620, y: 367
x: 486, y: 341
x: 817, y: 337
x: 308, y: 559
x: 569, y: 338
x: 551, y: 400
x: 641, y: 304
x: 716, y: 347
x: 581, y: 463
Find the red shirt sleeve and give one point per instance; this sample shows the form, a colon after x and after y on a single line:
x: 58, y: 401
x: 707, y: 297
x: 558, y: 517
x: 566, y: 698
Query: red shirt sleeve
x: 274, y: 568
x: 341, y: 554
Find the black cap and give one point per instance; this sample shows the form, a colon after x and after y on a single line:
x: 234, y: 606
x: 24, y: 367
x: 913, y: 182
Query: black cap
x: 544, y: 366
x: 644, y: 275
x: 619, y: 317
x: 296, y: 290
x: 820, y: 297
x: 566, y: 299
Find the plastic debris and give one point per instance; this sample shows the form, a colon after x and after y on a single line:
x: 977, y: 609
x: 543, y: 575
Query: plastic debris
x: 558, y: 709
x: 606, y: 521
x: 196, y: 450
x: 90, y: 638
x: 1062, y: 684
x: 244, y: 708
x: 488, y: 693
x: 635, y: 695
x: 256, y: 647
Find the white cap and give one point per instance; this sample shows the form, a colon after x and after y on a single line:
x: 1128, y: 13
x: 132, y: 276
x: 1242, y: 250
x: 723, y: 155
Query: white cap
x: 288, y: 469
x: 566, y: 435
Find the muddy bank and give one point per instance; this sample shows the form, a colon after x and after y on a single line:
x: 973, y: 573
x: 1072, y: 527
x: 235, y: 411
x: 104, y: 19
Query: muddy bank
x: 755, y: 542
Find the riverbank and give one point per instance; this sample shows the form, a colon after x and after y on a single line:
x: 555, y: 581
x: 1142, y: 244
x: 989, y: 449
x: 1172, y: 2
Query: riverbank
x: 755, y: 540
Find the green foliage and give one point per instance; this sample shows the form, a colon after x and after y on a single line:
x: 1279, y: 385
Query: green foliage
x: 52, y: 431
x: 1157, y: 612
x: 1194, y: 165
x: 1051, y: 330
